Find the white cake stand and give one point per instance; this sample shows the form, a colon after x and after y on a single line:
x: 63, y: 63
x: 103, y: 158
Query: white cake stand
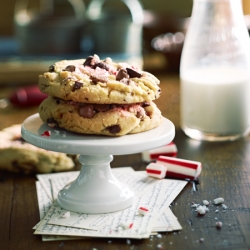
x: 95, y: 190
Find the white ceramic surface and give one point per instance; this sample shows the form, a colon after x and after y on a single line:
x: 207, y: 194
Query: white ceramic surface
x: 95, y: 190
x: 74, y: 143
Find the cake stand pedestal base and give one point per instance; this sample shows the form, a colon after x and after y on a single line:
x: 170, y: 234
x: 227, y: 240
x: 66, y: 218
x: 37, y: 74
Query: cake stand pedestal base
x: 95, y: 190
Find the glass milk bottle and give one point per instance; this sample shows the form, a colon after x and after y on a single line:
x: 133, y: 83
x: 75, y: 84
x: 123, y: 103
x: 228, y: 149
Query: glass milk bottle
x: 215, y: 72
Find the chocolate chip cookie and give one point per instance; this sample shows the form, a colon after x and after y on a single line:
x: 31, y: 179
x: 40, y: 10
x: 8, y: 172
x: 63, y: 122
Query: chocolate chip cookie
x: 98, y: 81
x: 18, y: 156
x: 101, y: 119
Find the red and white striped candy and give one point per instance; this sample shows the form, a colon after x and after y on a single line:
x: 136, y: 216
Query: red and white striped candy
x: 156, y: 170
x: 167, y: 150
x: 126, y: 225
x: 179, y: 168
x: 143, y: 210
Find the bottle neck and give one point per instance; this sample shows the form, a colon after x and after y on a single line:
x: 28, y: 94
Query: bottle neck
x: 218, y: 12
x: 217, y: 35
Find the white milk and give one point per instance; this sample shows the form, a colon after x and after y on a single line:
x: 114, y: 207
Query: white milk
x: 216, y: 100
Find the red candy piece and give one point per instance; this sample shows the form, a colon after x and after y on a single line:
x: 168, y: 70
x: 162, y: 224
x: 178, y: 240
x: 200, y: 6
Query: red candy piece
x: 180, y: 168
x: 46, y: 133
x: 166, y: 150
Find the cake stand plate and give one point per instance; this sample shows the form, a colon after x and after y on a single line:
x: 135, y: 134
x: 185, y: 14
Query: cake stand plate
x: 95, y: 190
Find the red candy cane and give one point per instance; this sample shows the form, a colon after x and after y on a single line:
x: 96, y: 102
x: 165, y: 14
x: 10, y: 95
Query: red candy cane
x: 156, y: 170
x: 167, y: 150
x: 179, y: 168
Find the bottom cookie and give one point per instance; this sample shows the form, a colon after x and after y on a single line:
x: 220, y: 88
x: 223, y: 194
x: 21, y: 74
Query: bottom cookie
x: 100, y: 119
x: 18, y: 156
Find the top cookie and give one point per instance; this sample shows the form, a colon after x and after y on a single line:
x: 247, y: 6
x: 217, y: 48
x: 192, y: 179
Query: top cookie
x: 98, y: 81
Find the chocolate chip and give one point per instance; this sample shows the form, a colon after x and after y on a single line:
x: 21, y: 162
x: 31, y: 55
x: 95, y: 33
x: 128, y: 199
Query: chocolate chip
x: 90, y: 61
x: 52, y: 122
x: 122, y: 73
x: 70, y: 68
x: 101, y: 65
x: 133, y: 73
x: 77, y: 85
x: 58, y: 101
x: 114, y: 129
x: 87, y: 111
x: 98, y: 78
x: 51, y: 68
x: 101, y: 107
x: 145, y: 104
x: 139, y: 114
x: 15, y: 164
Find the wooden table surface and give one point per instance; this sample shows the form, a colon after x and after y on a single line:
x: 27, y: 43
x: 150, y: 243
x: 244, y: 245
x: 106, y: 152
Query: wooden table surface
x: 226, y: 173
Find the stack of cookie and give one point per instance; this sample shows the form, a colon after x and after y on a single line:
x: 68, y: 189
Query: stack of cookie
x: 93, y: 96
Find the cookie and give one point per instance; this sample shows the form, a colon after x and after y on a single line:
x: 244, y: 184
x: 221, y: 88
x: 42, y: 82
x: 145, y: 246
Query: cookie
x: 18, y: 156
x: 99, y: 81
x: 101, y: 119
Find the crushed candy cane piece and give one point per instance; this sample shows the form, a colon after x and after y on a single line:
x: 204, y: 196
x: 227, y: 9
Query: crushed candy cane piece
x: 159, y: 246
x: 46, y: 133
x: 201, y: 210
x: 195, y: 205
x: 206, y: 208
x: 128, y: 241
x: 205, y: 202
x: 167, y: 150
x: 180, y: 168
x: 156, y: 170
x: 126, y: 225
x: 218, y: 224
x: 143, y: 210
x: 66, y: 215
x: 159, y: 236
x: 218, y: 200
x: 224, y: 207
